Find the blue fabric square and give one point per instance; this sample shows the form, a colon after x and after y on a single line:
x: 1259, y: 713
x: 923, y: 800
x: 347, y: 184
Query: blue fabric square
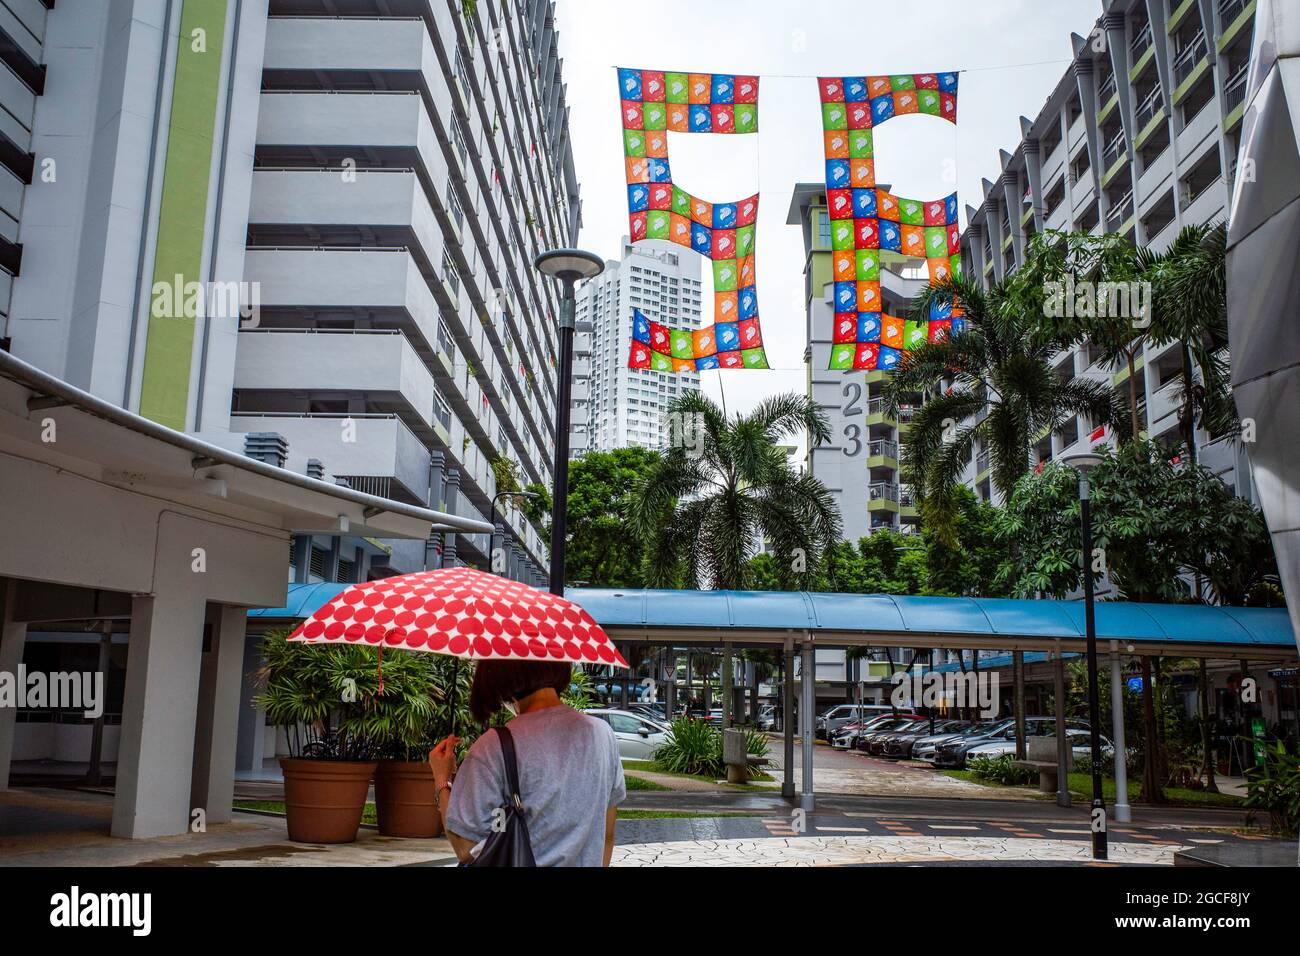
x: 659, y: 171
x: 700, y: 118
x: 888, y: 357
x: 638, y: 197
x: 864, y: 203
x: 940, y: 310
x: 837, y: 173
x: 855, y: 89
x: 882, y: 108
x: 868, y: 326
x: 640, y: 327
x: 709, y: 361
x: 728, y: 336
x: 702, y: 239
x: 890, y: 236
x: 950, y: 209
x: 724, y: 215
x: 724, y: 88
x: 629, y: 84
x: 846, y: 296
x: 748, y: 302
x: 958, y: 325
x: 948, y: 82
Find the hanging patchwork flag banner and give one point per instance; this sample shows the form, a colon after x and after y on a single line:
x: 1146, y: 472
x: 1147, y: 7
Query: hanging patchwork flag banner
x: 866, y: 220
x: 654, y: 103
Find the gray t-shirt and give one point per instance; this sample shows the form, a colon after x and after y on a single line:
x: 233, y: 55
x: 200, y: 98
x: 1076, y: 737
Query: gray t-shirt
x: 569, y: 776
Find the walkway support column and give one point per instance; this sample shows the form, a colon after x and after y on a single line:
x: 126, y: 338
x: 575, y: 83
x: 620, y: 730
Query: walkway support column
x: 726, y: 685
x: 213, y: 786
x: 1062, y: 742
x: 787, y: 717
x: 13, y: 638
x: 807, y: 667
x: 1122, y: 812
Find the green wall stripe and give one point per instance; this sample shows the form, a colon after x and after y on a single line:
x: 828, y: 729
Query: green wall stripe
x: 169, y: 345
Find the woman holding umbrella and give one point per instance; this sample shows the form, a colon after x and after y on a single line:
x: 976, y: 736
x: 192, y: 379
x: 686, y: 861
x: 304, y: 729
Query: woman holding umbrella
x: 569, y: 772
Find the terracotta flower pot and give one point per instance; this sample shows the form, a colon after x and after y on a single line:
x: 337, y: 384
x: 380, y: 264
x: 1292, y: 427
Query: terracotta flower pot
x: 406, y: 800
x: 324, y: 799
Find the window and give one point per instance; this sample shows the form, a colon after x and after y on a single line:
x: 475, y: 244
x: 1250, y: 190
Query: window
x: 449, y: 272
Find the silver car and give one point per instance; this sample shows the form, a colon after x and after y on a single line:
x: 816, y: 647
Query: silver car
x: 638, y: 736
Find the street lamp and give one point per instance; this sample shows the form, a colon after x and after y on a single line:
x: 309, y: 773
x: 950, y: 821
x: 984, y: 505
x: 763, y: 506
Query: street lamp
x: 499, y: 536
x: 567, y: 265
x: 1084, y: 462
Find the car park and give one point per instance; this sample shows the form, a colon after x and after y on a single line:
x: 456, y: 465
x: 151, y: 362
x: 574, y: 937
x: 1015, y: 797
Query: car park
x: 873, y: 743
x: 952, y: 753
x: 900, y: 743
x: 847, y: 735
x: 832, y: 720
x: 924, y: 747
x: 1080, y: 743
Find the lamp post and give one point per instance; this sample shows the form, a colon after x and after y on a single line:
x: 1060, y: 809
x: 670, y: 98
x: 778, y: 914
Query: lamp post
x: 567, y: 265
x: 1084, y: 462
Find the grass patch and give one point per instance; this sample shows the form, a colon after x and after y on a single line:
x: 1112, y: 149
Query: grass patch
x: 277, y: 806
x: 649, y: 766
x: 634, y: 782
x: 1081, y: 787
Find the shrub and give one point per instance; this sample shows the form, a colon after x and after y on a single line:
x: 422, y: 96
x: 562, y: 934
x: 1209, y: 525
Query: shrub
x: 1274, y: 788
x: 693, y: 747
x: 1001, y: 770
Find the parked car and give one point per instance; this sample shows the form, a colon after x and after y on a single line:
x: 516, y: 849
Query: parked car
x: 766, y: 719
x: 836, y: 717
x: 899, y: 744
x: 873, y: 741
x: 952, y: 753
x: 848, y: 734
x: 924, y: 747
x: 1080, y: 742
x: 656, y: 712
x: 638, y: 736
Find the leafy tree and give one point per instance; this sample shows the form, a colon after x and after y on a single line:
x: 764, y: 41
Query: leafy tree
x: 1004, y: 392
x: 705, y: 503
x: 600, y: 551
x: 972, y: 565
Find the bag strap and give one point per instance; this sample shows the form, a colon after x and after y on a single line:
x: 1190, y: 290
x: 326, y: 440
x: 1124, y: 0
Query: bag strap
x: 512, y: 767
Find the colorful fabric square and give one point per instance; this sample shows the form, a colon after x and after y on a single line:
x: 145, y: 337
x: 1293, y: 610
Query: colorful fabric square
x: 866, y: 220
x: 654, y: 103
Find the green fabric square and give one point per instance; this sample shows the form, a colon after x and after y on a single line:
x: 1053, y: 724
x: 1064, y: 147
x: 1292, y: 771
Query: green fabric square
x: 746, y: 116
x: 936, y: 242
x: 911, y: 212
x: 754, y: 358
x: 834, y: 116
x: 842, y: 355
x: 655, y: 116
x: 954, y: 264
x: 633, y: 142
x: 681, y: 344
x: 724, y: 275
x: 914, y: 333
x: 681, y: 202
x: 902, y: 81
x: 744, y: 240
x: 660, y: 363
x: 868, y: 265
x: 860, y: 145
x: 656, y: 225
x: 841, y: 234
x: 928, y: 102
x: 675, y: 87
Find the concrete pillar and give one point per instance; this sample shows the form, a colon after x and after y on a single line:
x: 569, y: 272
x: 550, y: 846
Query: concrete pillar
x: 1062, y: 741
x: 301, y: 558
x: 807, y: 717
x: 156, y: 754
x: 726, y: 685
x: 500, y: 548
x: 787, y: 717
x: 213, y: 783
x: 1122, y: 812
x: 13, y: 638
x: 250, y: 747
x: 451, y: 500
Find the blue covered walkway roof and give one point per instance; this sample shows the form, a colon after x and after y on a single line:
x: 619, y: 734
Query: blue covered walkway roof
x: 660, y: 616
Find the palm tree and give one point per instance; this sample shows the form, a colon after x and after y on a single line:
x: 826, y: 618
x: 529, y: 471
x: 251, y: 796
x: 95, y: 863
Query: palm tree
x: 723, y: 485
x: 1003, y: 393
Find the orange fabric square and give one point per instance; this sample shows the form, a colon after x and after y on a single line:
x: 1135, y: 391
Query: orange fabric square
x: 656, y: 144
x: 699, y: 88
x: 702, y: 212
x: 862, y: 173
x: 726, y: 307
x: 868, y: 296
x: 904, y: 102
x: 837, y: 144
x: 683, y: 365
x: 891, y: 331
x: 746, y: 266
x: 679, y: 229
x: 679, y: 118
x: 886, y: 205
x: 702, y: 341
x: 913, y: 241
x: 844, y: 266
x: 877, y: 86
x: 939, y: 269
x: 638, y: 169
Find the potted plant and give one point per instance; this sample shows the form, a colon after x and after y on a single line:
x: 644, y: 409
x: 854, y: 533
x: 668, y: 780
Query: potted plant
x: 313, y: 692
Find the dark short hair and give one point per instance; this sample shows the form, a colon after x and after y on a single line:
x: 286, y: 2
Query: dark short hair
x: 497, y: 681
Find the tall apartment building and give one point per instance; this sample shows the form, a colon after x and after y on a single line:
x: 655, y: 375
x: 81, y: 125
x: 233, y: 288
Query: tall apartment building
x: 616, y: 406
x: 1139, y: 137
x: 860, y: 464
x: 371, y: 179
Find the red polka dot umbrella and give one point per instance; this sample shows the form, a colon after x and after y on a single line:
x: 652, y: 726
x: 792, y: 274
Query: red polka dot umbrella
x: 464, y: 613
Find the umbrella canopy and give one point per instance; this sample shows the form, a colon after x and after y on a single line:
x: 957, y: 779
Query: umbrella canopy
x: 464, y: 613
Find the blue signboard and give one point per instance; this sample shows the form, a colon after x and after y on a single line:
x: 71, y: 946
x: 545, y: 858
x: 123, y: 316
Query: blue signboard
x: 1135, y: 684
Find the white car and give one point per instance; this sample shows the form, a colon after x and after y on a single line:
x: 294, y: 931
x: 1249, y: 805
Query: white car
x: 1080, y: 743
x: 638, y: 736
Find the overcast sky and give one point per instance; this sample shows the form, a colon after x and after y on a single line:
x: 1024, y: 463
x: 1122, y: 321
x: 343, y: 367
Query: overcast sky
x: 1015, y: 52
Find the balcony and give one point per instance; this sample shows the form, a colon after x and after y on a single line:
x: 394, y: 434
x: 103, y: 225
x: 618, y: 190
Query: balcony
x: 981, y: 463
x: 1107, y: 90
x: 1234, y: 89
x: 1149, y: 108
x: 377, y: 448
x: 1120, y: 212
x: 883, y: 447
x: 1229, y: 10
x: 1189, y: 57
x: 1141, y: 42
x: 883, y: 491
x: 1114, y: 151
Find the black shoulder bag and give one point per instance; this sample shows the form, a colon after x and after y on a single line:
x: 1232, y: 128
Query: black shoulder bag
x: 509, y: 845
